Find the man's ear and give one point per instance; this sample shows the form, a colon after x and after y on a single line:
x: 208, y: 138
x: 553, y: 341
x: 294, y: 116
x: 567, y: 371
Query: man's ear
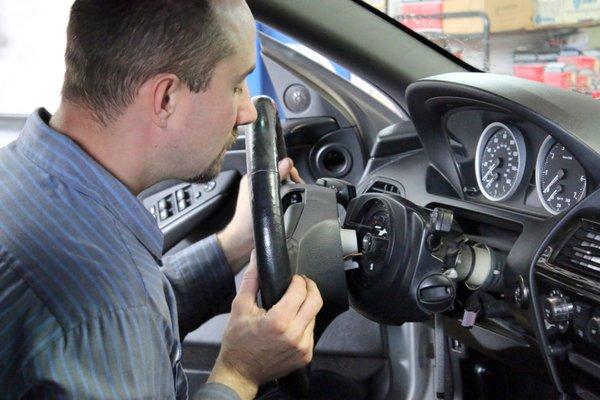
x: 165, y: 90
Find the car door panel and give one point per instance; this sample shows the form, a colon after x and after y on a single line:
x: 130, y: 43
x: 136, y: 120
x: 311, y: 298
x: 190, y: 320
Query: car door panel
x: 180, y: 207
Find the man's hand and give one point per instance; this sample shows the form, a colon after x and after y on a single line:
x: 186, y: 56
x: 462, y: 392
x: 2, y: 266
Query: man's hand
x: 258, y: 345
x: 237, y: 239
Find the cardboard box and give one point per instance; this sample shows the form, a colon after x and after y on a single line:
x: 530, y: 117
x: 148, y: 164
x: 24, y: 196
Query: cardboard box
x: 581, y: 62
x: 504, y: 15
x: 559, y: 79
x: 413, y: 15
x: 378, y: 4
x: 533, y: 72
x: 561, y: 12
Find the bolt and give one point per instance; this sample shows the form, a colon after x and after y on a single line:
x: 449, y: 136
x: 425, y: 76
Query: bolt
x: 367, y: 242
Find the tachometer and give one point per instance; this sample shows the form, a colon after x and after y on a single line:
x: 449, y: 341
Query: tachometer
x: 500, y: 161
x: 559, y: 178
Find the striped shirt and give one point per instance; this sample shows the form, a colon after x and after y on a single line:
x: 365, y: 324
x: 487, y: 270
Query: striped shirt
x: 89, y: 308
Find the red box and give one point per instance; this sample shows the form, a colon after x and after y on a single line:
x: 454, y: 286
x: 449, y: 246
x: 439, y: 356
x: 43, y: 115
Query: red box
x: 560, y: 79
x: 596, y: 94
x: 533, y: 72
x: 585, y: 80
x: 581, y: 62
x: 412, y: 15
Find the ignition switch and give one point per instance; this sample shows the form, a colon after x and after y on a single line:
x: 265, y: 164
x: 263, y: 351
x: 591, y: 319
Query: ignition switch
x: 436, y: 293
x: 480, y: 267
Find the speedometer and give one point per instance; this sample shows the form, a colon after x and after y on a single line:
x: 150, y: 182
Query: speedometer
x: 500, y: 161
x: 559, y: 178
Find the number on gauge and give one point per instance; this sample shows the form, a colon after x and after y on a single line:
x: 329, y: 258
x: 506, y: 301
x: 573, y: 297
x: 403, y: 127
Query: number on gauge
x: 560, y: 179
x: 500, y: 161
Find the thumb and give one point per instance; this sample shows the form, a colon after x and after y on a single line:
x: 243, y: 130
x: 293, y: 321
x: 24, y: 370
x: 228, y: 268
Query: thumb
x: 249, y: 287
x: 285, y: 166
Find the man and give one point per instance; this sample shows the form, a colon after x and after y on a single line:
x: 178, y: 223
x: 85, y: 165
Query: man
x: 88, y: 308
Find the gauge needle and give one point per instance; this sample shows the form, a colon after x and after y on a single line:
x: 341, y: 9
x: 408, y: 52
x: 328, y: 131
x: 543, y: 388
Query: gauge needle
x: 558, y: 190
x: 492, y: 168
x: 559, y: 175
x: 489, y: 183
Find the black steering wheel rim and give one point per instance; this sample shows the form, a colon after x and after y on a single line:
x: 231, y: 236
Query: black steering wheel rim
x: 265, y: 145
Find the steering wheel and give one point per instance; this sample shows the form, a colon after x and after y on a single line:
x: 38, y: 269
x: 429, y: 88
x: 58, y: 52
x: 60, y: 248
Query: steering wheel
x: 296, y: 231
x: 265, y: 146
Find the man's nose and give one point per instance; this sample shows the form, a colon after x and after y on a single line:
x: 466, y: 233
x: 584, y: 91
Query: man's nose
x: 247, y: 111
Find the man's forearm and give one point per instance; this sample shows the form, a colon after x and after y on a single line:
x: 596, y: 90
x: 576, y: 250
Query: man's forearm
x: 202, y: 281
x: 237, y: 252
x: 229, y: 377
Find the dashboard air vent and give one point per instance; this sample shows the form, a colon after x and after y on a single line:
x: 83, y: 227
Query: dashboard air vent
x: 582, y: 250
x: 385, y: 187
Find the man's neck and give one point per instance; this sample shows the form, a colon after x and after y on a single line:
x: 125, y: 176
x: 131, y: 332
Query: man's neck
x: 112, y: 146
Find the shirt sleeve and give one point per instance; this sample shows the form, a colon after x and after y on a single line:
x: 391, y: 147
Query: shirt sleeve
x: 124, y: 354
x: 203, y: 283
x: 215, y: 391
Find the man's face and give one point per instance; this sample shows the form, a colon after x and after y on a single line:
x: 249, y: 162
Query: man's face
x: 208, y: 120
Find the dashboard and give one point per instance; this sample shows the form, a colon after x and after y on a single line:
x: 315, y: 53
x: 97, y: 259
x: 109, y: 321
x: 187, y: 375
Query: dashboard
x: 516, y: 162
x: 513, y: 163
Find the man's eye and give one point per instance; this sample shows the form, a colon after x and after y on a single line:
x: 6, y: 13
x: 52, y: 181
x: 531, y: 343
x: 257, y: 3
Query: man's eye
x: 238, y: 90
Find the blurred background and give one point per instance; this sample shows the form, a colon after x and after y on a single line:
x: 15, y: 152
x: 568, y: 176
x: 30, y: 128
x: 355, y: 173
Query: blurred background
x: 552, y: 41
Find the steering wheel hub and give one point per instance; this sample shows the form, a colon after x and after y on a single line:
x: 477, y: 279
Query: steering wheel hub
x: 399, y: 278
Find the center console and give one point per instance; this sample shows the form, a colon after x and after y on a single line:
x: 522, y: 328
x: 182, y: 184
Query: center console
x: 567, y: 277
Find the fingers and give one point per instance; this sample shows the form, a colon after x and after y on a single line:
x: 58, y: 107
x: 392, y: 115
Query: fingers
x: 310, y: 307
x: 249, y: 287
x: 295, y: 176
x: 284, y: 167
x: 287, y: 170
x: 307, y: 343
x: 287, y: 307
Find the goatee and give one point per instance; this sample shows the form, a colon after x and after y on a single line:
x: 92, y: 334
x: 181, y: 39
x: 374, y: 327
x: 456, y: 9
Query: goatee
x: 214, y: 168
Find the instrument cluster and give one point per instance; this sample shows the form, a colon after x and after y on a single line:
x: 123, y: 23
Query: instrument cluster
x: 500, y: 164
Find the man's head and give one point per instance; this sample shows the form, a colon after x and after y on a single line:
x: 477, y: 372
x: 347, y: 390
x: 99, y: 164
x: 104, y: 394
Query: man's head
x: 171, y: 73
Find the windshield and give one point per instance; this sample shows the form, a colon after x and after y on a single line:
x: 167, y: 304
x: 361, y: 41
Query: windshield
x: 556, y: 42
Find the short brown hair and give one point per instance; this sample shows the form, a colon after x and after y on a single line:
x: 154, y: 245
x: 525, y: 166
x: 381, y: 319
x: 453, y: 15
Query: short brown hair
x: 114, y: 46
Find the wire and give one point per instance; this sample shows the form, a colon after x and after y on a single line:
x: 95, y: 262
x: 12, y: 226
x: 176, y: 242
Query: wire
x: 352, y: 255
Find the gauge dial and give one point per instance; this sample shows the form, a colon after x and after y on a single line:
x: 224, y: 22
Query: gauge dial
x: 560, y: 179
x: 500, y: 161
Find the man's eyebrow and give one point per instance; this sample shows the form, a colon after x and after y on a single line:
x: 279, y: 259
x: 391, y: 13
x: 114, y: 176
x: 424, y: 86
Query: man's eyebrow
x: 245, y: 74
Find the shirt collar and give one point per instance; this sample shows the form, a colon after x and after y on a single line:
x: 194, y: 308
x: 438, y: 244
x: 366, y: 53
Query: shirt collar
x: 59, y: 155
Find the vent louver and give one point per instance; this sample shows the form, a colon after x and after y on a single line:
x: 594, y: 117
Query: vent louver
x: 384, y: 187
x: 582, y: 250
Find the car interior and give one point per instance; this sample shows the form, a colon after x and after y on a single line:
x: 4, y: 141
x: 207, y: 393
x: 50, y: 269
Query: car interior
x: 453, y: 227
